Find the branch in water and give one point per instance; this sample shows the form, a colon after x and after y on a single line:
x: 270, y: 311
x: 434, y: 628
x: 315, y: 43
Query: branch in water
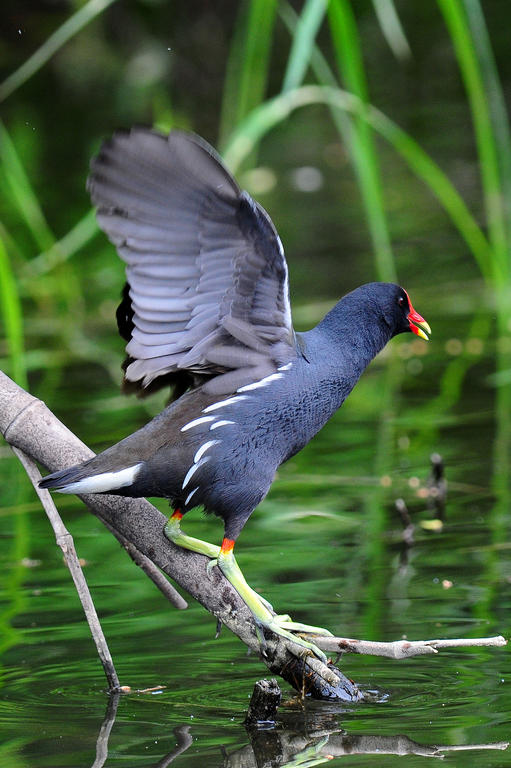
x: 403, y: 649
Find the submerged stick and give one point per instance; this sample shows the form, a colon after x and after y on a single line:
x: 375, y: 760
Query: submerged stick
x: 66, y: 544
x: 264, y: 704
x: 105, y: 731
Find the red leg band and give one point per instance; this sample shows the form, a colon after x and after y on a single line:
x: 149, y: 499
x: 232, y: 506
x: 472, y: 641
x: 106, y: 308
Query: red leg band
x: 227, y: 546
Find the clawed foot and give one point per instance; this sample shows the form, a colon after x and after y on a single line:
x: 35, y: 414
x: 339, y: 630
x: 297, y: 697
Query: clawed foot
x: 262, y: 610
x: 285, y: 627
x: 295, y: 626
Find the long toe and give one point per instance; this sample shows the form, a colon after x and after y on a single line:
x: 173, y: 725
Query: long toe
x: 311, y: 648
x: 286, y: 622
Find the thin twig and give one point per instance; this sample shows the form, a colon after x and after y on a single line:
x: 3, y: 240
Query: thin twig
x: 66, y: 543
x: 468, y: 747
x: 403, y: 649
x: 153, y: 572
x: 148, y: 567
x: 408, y: 526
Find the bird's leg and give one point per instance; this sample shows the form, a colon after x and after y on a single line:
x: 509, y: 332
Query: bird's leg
x: 261, y: 609
x: 281, y: 625
x: 174, y: 533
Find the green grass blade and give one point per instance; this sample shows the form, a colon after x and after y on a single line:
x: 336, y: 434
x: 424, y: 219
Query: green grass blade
x: 31, y: 212
x: 247, y: 69
x: 392, y: 30
x: 497, y: 103
x: 457, y: 24
x: 305, y: 31
x: 12, y: 319
x: 274, y: 111
x: 50, y: 46
x: 83, y: 231
x: 22, y: 192
x: 318, y: 62
x: 347, y: 47
x: 351, y: 67
x: 321, y: 70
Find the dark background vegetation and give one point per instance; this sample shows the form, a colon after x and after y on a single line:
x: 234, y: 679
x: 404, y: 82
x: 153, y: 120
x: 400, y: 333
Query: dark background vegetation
x: 424, y: 199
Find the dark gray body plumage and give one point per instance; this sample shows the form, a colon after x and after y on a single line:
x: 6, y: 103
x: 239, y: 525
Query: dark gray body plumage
x: 269, y: 424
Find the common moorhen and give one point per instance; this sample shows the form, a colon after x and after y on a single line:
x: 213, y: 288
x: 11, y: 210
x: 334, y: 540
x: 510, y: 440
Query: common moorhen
x: 206, y: 310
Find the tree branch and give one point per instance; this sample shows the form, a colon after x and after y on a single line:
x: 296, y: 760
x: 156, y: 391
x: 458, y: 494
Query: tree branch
x: 66, y: 544
x: 403, y: 649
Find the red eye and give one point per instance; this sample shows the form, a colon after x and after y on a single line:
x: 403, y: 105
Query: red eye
x: 401, y: 301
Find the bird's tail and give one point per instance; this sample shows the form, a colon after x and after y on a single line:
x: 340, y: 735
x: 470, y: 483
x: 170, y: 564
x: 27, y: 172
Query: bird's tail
x: 84, y: 478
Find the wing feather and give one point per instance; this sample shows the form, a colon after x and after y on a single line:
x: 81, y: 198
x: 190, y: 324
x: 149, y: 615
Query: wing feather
x: 206, y: 273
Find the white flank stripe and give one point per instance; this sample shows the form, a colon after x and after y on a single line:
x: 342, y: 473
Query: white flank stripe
x: 221, y: 423
x: 262, y: 383
x: 196, y: 422
x: 192, y: 471
x: 221, y: 404
x: 285, y: 367
x: 107, y: 481
x: 190, y: 496
x: 202, y: 450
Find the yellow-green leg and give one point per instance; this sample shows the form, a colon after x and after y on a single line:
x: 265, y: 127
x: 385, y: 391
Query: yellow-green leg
x: 174, y: 533
x: 281, y: 625
x: 223, y: 557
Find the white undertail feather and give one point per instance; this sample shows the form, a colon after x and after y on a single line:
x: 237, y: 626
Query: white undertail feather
x: 107, y: 481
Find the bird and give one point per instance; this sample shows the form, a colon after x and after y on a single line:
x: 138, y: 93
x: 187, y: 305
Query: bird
x: 206, y: 311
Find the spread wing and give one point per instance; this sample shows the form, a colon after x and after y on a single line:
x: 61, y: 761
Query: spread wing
x: 207, y: 296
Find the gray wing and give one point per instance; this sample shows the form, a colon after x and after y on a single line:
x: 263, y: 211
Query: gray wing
x: 207, y: 286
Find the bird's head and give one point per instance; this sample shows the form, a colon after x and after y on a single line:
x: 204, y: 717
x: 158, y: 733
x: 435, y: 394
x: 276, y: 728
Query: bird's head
x: 408, y: 319
x: 392, y: 303
x: 371, y: 315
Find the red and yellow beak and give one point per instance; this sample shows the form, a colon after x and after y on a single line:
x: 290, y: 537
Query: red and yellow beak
x: 418, y: 325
